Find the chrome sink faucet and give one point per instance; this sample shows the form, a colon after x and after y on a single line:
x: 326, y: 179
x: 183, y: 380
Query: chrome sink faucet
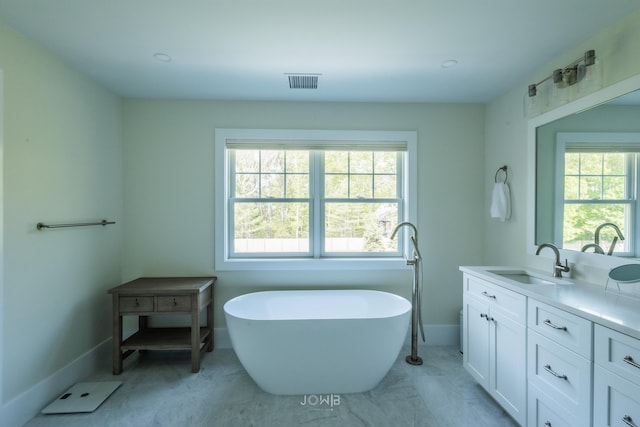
x: 558, y: 268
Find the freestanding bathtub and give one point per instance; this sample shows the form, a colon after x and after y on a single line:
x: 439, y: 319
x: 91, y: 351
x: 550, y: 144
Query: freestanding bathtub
x: 317, y: 341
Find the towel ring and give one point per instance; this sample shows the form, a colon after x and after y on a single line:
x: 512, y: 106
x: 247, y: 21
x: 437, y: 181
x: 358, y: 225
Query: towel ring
x: 506, y: 175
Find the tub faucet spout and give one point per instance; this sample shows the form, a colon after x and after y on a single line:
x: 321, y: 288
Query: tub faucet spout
x: 414, y: 240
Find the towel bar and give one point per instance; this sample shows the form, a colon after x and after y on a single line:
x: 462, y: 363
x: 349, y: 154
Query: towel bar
x: 40, y: 225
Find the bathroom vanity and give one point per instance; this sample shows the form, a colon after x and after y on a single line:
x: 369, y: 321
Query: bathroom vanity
x: 553, y: 352
x: 152, y: 296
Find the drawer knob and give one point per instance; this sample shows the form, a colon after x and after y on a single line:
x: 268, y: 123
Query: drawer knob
x: 547, y: 424
x: 630, y: 361
x: 551, y: 325
x: 488, y: 295
x: 628, y: 421
x: 554, y: 373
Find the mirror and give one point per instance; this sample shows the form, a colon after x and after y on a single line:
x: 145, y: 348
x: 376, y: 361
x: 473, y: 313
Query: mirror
x: 587, y: 174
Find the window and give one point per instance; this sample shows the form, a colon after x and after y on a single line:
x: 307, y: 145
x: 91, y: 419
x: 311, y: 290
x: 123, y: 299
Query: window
x: 293, y: 199
x: 600, y: 186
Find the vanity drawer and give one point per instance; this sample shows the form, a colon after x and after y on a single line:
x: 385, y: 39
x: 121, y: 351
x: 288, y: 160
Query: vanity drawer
x: 133, y: 304
x: 562, y: 375
x: 545, y: 412
x: 618, y: 353
x: 566, y: 329
x: 616, y: 400
x: 512, y: 303
x: 174, y: 303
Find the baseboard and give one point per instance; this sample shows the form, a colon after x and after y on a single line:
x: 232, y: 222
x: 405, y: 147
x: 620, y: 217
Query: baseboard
x: 221, y: 338
x: 441, y: 335
x: 27, y: 405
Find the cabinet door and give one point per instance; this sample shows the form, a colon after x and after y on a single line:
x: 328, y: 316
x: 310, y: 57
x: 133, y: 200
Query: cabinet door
x: 508, y: 364
x: 476, y: 340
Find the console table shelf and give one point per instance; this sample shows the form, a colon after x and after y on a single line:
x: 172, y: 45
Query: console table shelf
x: 162, y: 339
x: 151, y: 296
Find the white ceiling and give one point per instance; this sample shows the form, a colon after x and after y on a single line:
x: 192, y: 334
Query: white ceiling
x: 365, y: 50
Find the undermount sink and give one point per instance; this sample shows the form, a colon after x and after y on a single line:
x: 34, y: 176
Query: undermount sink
x: 528, y: 278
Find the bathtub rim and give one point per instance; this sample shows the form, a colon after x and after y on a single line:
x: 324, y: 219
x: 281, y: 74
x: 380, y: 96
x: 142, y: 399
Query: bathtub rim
x: 398, y: 299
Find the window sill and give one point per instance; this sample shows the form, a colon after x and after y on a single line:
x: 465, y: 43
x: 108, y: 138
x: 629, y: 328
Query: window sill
x: 254, y: 264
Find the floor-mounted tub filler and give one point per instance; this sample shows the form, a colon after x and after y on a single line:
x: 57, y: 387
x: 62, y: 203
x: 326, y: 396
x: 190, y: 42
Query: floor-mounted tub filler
x: 415, y: 260
x: 317, y: 341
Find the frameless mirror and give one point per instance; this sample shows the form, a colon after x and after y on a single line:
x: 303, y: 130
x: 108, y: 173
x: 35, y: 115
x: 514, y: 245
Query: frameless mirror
x: 587, y: 179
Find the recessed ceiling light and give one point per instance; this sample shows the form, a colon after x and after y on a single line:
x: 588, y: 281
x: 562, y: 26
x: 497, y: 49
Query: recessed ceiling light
x: 162, y: 57
x: 449, y: 63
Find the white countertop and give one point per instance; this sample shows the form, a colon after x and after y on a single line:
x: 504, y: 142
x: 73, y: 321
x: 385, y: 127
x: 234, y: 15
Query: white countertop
x: 611, y: 309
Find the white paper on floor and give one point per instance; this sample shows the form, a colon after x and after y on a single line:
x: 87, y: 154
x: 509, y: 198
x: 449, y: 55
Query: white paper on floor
x: 82, y: 397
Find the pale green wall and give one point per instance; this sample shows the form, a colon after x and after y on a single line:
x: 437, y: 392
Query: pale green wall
x: 169, y: 193
x: 62, y: 162
x: 506, y: 137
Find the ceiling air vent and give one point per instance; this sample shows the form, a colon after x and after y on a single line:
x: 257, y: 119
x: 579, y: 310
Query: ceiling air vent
x: 303, y: 81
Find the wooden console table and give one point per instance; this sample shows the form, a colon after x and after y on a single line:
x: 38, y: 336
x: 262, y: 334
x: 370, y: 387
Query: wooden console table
x: 149, y: 296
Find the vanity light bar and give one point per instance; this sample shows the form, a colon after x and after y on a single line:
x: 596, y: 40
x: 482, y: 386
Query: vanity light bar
x: 570, y: 74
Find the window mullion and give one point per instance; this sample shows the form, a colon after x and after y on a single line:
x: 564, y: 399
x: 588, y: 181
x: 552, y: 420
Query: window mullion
x: 317, y: 220
x: 231, y: 205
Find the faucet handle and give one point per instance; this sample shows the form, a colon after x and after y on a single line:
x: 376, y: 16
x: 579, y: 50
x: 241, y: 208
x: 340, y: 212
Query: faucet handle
x: 565, y: 268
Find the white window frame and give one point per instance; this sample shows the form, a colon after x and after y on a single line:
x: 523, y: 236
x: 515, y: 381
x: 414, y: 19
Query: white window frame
x: 222, y: 260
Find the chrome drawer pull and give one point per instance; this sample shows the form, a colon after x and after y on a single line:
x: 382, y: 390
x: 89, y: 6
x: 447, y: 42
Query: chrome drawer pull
x: 485, y: 316
x: 630, y: 361
x: 487, y: 295
x: 555, y: 374
x: 628, y: 421
x: 560, y: 328
x: 547, y: 424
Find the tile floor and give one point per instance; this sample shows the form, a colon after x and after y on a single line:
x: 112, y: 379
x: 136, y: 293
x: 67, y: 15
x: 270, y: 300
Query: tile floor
x: 159, y: 390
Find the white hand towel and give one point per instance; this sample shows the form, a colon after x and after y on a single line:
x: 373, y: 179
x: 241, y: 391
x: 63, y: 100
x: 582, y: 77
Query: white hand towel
x: 501, y: 202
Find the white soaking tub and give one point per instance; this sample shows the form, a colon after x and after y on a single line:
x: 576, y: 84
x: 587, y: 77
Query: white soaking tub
x: 317, y: 341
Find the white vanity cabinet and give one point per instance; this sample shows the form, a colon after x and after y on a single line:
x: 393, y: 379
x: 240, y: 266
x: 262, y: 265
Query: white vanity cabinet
x: 494, y: 342
x: 616, y: 392
x: 559, y: 367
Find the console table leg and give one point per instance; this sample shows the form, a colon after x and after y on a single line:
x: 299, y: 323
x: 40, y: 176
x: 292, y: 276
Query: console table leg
x: 210, y: 323
x: 195, y: 335
x: 116, y: 337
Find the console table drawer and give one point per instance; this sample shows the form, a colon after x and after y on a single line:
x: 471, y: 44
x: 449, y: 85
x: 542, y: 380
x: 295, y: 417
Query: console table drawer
x: 174, y: 303
x: 136, y: 304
